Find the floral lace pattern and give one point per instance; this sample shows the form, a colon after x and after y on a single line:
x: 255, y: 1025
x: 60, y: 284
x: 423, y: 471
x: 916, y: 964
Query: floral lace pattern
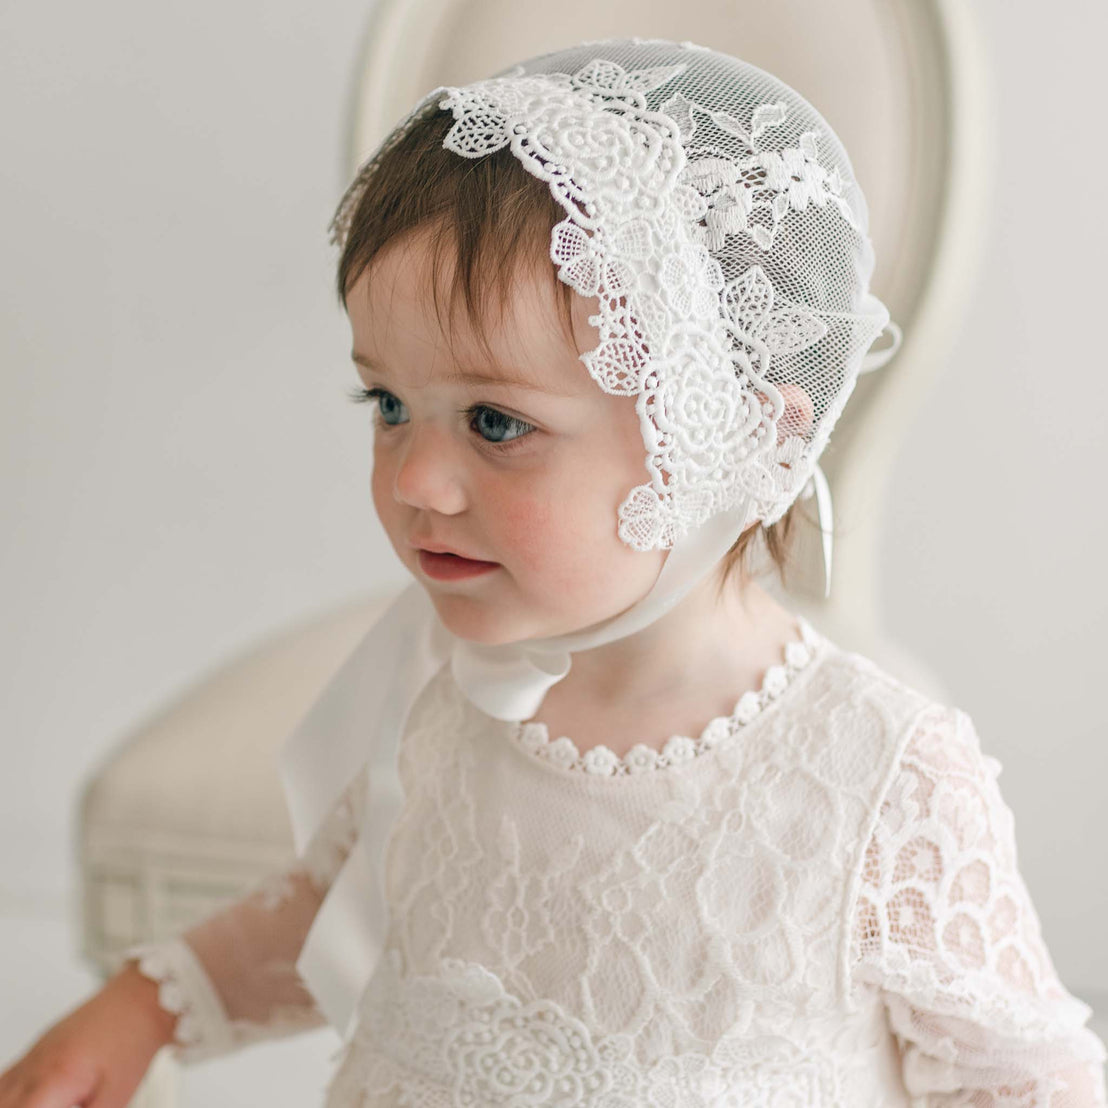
x: 681, y: 171
x: 945, y: 925
x: 461, y: 1030
x: 828, y: 913
x: 653, y: 949
x: 754, y: 194
x: 602, y: 761
x: 540, y: 955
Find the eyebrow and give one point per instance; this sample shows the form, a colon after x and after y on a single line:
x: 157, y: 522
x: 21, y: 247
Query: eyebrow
x: 473, y: 377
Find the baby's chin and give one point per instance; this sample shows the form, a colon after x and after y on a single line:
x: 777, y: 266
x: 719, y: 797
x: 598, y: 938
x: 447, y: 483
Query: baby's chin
x: 480, y: 621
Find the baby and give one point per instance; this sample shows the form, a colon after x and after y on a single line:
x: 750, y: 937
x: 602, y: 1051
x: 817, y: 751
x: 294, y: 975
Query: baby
x: 588, y: 818
x: 512, y: 458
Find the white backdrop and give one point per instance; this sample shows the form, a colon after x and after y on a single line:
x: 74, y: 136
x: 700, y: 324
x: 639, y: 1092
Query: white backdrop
x: 181, y: 472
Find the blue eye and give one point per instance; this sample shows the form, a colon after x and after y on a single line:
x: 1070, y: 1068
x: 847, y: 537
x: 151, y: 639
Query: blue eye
x: 495, y: 427
x: 497, y: 424
x: 390, y: 409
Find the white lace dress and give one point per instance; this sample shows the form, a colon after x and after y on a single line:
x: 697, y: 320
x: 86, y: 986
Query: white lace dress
x: 817, y: 902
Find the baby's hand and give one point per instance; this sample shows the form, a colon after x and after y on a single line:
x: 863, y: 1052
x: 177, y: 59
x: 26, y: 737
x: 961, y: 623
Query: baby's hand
x: 97, y: 1055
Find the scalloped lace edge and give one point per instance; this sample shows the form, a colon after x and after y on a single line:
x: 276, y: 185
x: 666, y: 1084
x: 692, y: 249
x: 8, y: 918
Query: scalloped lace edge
x: 203, y: 1028
x: 184, y: 990
x: 534, y: 737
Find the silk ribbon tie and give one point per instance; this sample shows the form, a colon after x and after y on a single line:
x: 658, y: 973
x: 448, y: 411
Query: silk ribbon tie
x: 818, y: 484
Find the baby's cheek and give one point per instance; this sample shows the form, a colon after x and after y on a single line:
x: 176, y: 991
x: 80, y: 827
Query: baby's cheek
x: 540, y: 536
x: 525, y: 527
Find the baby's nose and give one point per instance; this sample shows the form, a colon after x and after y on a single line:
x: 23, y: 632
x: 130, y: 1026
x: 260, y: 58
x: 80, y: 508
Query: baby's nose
x: 428, y: 472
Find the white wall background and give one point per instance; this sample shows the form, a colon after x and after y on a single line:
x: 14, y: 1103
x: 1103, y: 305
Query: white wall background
x: 181, y: 472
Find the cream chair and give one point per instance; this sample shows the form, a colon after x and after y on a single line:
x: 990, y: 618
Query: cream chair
x: 189, y: 810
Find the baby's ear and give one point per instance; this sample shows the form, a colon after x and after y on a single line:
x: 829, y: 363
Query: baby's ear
x: 799, y: 413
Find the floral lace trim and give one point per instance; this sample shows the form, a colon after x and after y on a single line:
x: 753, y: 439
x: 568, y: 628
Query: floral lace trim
x: 184, y: 991
x: 602, y: 761
x: 203, y: 1029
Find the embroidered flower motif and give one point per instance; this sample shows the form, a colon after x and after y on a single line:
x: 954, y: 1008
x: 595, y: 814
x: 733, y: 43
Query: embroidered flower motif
x: 727, y: 202
x: 679, y: 749
x: 700, y: 407
x: 789, y: 172
x: 585, y: 266
x: 641, y: 758
x: 600, y: 760
x: 533, y: 736
x: 534, y: 1054
x: 641, y: 519
x: 748, y: 706
x: 561, y: 752
x: 785, y: 473
x: 754, y: 194
x: 776, y: 681
x: 786, y: 329
x: 612, y: 155
x: 716, y: 731
x: 691, y: 280
x: 611, y: 79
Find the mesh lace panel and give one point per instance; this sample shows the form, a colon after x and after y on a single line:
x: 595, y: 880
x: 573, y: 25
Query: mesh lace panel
x: 232, y: 978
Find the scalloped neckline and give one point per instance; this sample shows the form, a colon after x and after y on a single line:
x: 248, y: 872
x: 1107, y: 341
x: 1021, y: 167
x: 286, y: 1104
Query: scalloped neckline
x: 533, y: 737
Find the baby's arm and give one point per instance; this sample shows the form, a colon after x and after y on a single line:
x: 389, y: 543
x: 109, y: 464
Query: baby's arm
x: 227, y: 981
x: 231, y: 979
x: 946, y: 929
x: 97, y: 1054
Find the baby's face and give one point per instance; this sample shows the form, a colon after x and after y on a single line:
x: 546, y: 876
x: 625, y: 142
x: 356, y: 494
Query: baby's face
x: 527, y: 475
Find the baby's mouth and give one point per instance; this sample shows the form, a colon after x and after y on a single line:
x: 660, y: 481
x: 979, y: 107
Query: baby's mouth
x: 446, y: 566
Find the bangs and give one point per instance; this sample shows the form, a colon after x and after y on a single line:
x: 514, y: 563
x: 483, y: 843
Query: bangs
x: 487, y: 215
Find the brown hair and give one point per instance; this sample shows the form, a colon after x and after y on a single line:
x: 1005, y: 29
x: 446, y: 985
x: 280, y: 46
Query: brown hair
x: 495, y: 217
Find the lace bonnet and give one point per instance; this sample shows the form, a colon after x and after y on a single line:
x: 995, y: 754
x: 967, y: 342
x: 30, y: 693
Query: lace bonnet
x: 715, y: 216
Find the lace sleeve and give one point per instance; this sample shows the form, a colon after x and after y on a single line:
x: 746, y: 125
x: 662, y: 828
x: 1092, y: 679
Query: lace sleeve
x: 945, y: 928
x: 231, y: 978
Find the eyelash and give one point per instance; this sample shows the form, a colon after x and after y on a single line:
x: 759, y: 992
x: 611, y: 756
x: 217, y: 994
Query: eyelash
x: 362, y: 396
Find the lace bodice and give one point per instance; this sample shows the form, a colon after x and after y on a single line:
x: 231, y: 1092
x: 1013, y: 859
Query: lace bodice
x: 815, y: 902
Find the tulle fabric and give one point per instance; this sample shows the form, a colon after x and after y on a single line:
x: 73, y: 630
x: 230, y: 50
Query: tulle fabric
x: 231, y: 978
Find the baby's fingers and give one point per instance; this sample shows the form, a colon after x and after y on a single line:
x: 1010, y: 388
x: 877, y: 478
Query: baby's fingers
x: 94, y: 1057
x: 34, y: 1083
